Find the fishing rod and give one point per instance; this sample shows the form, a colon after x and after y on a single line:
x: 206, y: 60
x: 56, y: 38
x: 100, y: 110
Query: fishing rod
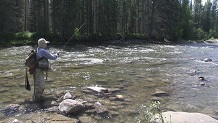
x: 73, y: 35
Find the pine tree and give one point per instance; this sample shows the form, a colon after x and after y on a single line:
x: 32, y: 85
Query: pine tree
x: 186, y: 20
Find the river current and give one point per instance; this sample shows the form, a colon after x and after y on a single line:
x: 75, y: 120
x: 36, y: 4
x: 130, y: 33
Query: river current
x: 139, y: 69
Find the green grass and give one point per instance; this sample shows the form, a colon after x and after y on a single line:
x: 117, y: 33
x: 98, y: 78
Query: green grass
x: 24, y: 35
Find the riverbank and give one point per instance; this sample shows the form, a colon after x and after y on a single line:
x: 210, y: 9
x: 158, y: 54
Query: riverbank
x: 27, y: 38
x: 88, y: 43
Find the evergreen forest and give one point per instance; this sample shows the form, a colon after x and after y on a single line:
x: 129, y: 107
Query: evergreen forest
x: 96, y: 20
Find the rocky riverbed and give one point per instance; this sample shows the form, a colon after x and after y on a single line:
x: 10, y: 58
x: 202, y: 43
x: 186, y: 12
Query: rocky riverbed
x: 97, y: 104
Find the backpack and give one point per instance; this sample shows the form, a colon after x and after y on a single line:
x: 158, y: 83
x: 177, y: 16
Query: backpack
x: 31, y: 61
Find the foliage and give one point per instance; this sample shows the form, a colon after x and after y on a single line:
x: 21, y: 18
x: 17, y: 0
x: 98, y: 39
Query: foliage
x: 212, y: 34
x: 199, y: 34
x: 186, y: 21
x: 20, y: 38
x: 154, y: 19
x: 148, y: 114
x: 23, y: 35
x: 77, y: 33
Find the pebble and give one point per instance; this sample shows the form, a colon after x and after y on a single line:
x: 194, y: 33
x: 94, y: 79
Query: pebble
x: 120, y: 97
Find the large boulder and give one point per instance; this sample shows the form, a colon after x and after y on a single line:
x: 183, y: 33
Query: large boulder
x: 185, y: 117
x: 70, y: 106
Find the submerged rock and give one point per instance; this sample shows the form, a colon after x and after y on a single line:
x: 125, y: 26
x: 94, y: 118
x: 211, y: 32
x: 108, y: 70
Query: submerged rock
x: 99, y: 108
x: 160, y: 93
x: 97, y: 89
x: 11, y: 109
x: 192, y: 72
x: 207, y: 60
x: 201, y: 78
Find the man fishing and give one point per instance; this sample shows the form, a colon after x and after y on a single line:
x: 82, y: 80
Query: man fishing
x: 38, y: 74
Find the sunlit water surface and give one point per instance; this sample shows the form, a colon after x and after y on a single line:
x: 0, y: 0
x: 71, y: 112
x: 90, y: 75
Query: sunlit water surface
x: 140, y: 69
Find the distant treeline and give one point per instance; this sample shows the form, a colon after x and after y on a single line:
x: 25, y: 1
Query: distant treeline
x: 108, y: 19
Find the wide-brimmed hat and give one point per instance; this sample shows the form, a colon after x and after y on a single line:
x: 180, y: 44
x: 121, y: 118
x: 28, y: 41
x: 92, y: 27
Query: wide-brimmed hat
x: 42, y: 43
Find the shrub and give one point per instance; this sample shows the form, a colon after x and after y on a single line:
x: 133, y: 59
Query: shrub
x: 23, y: 35
x: 147, y: 114
x: 199, y: 34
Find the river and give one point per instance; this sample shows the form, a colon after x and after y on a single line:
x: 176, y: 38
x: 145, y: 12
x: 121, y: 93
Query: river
x: 140, y: 69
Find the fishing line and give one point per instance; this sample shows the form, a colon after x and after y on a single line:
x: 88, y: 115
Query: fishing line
x: 72, y: 35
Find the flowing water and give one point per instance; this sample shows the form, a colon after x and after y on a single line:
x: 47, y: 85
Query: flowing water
x: 139, y: 69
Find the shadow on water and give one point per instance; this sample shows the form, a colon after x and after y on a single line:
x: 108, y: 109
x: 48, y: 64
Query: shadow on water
x: 27, y: 107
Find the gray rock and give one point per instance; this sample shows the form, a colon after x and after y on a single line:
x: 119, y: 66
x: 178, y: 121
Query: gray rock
x: 114, y: 90
x: 160, y: 93
x: 68, y: 96
x: 201, y: 78
x: 70, y: 106
x: 207, y: 60
x: 99, y: 108
x: 97, y: 89
x: 15, y: 121
x: 185, y: 117
x: 120, y: 97
x: 192, y: 72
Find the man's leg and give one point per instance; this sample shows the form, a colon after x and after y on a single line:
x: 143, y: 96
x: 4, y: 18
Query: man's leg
x: 38, y: 83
